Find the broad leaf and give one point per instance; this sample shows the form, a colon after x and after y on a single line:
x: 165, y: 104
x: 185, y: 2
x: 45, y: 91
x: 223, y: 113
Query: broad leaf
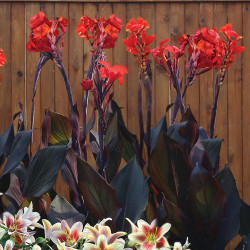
x: 98, y: 195
x: 244, y: 219
x: 114, y: 149
x: 156, y: 130
x: 132, y: 193
x: 207, y: 205
x: 212, y: 149
x: 61, y: 209
x: 231, y: 225
x: 129, y: 140
x: 186, y: 133
x: 18, y: 150
x: 6, y: 140
x: 177, y: 219
x: 60, y: 129
x: 170, y: 168
x: 43, y: 170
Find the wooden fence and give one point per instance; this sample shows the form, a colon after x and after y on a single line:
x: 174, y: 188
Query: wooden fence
x: 166, y: 19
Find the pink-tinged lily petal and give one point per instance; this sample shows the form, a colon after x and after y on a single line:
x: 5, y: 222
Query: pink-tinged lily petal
x: 115, y: 246
x: 95, y: 233
x: 90, y: 246
x: 62, y: 246
x: 148, y: 246
x: 103, y: 222
x: 58, y: 235
x: 102, y: 242
x: 8, y: 219
x: 105, y: 230
x: 115, y: 236
x: 75, y: 231
x: 65, y: 226
x: 177, y: 246
x: 143, y: 226
x: 9, y: 245
x: 163, y: 230
x: 137, y: 238
x: 162, y: 243
x: 153, y: 223
x: 133, y: 226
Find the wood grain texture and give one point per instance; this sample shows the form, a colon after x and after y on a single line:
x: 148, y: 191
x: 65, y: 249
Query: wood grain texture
x: 5, y: 72
x: 123, y: 1
x: 246, y: 103
x: 48, y: 71
x: 162, y: 32
x: 61, y: 97
x: 177, y: 29
x: 193, y: 92
x: 120, y: 58
x: 133, y: 11
x: 32, y: 59
x: 206, y: 80
x: 235, y: 102
x: 221, y: 131
x: 91, y: 10
x: 17, y: 56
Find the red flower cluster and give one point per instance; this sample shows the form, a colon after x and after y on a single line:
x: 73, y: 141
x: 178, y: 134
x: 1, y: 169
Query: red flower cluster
x: 138, y: 42
x: 112, y: 73
x: 45, y: 32
x: 160, y: 53
x: 2, y: 58
x: 100, y: 31
x: 213, y: 50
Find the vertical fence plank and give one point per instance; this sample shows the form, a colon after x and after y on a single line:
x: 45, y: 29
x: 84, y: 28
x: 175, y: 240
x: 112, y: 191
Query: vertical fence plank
x: 32, y: 59
x: 162, y: 31
x: 193, y: 92
x: 90, y: 9
x: 206, y: 80
x: 133, y: 11
x: 177, y: 29
x: 220, y: 19
x: 61, y: 97
x: 48, y: 71
x: 5, y: 71
x: 147, y: 15
x: 17, y: 55
x: 120, y: 58
x: 246, y: 103
x: 235, y: 102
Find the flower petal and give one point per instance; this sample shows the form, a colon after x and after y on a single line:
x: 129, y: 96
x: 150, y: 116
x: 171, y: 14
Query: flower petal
x: 137, y: 238
x: 162, y: 230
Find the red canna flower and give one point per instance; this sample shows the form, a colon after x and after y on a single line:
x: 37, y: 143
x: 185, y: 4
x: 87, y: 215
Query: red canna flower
x: 100, y: 31
x: 87, y: 84
x: 138, y: 42
x: 2, y: 58
x: 112, y: 73
x: 203, y: 43
x: 138, y: 26
x: 160, y: 53
x: 44, y: 33
x: 229, y: 33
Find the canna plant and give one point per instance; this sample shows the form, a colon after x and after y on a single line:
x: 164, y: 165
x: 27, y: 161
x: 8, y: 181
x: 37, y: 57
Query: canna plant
x: 175, y: 193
